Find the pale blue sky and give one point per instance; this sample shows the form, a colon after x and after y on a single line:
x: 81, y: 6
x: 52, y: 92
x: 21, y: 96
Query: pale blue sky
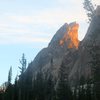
x: 26, y: 26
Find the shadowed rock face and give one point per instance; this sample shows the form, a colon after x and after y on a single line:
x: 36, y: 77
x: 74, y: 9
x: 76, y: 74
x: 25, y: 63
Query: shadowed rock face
x: 65, y: 47
x: 98, y: 11
x: 81, y: 66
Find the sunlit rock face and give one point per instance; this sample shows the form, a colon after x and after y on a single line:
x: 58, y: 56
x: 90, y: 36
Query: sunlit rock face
x: 68, y: 35
x: 71, y: 36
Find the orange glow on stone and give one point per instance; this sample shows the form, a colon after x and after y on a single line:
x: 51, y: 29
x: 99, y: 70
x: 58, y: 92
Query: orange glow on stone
x: 71, y: 37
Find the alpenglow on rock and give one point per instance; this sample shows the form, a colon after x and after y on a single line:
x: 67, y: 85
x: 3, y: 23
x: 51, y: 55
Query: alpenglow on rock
x: 66, y: 37
x: 67, y: 34
x: 71, y: 37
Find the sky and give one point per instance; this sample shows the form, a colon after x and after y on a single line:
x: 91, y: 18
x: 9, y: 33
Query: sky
x: 27, y: 26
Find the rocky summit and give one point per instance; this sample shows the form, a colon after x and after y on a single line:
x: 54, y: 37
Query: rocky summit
x: 59, y: 46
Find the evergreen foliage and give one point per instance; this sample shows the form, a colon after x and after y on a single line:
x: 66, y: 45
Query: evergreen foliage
x: 10, y: 76
x: 23, y: 63
x: 43, y: 86
x: 63, y: 89
x: 94, y: 51
x: 88, y: 6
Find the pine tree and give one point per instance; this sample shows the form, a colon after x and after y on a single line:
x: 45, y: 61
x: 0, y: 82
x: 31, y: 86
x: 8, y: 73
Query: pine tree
x: 9, y: 90
x: 28, y: 86
x: 23, y: 63
x: 63, y: 89
x: 16, y: 88
x: 82, y: 83
x: 49, y: 88
x: 10, y: 76
x: 39, y: 87
x: 94, y: 51
x: 75, y: 96
x: 88, y: 6
x: 88, y: 92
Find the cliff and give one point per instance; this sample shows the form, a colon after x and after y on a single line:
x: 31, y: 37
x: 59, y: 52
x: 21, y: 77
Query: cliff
x: 65, y: 47
x: 65, y: 38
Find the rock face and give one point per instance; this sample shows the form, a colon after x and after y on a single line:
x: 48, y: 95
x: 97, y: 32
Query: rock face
x: 65, y: 47
x: 81, y: 66
x: 71, y: 36
x: 98, y: 11
x: 56, y: 50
